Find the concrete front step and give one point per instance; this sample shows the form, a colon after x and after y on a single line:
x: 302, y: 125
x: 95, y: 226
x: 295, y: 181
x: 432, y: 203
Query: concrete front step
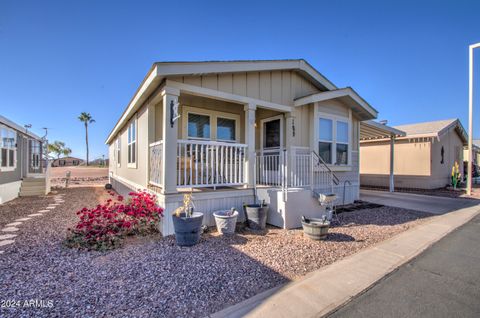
x: 34, y: 181
x: 32, y: 191
x: 32, y: 188
x: 31, y: 194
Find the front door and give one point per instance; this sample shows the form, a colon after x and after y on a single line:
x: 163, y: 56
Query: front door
x: 34, y: 156
x: 272, y: 150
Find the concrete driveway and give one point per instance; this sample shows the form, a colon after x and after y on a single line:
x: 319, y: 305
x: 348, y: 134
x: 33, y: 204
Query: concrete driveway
x: 418, y: 202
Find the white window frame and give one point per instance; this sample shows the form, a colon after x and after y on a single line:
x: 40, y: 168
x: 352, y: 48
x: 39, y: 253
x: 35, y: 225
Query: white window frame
x: 335, y: 119
x: 118, y: 151
x: 200, y: 113
x: 213, y: 115
x: 132, y: 164
x: 262, y: 133
x: 230, y: 117
x: 8, y: 168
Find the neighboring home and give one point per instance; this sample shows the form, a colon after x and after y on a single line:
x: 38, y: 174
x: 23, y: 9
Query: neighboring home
x: 99, y: 162
x: 21, y: 169
x: 67, y: 162
x: 475, y: 152
x: 423, y: 159
x: 238, y: 132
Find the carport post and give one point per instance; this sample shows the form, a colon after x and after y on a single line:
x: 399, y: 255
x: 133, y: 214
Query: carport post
x: 392, y: 151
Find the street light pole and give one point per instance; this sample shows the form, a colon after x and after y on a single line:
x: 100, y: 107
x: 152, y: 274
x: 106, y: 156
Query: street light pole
x: 470, y: 115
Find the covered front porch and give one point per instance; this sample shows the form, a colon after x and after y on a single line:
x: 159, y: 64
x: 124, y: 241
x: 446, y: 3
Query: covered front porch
x: 203, y: 141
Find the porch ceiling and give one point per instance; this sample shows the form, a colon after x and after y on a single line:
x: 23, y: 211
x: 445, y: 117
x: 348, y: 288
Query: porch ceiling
x: 370, y: 130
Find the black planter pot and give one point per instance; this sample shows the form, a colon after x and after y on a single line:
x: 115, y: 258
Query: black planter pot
x: 256, y: 216
x: 187, y: 230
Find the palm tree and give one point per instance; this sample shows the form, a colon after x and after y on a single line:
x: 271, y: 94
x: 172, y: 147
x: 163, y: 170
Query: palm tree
x: 86, y: 118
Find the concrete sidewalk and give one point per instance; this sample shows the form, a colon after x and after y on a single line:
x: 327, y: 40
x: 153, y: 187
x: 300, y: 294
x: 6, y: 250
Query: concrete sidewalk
x: 417, y: 202
x: 323, y: 290
x: 444, y: 281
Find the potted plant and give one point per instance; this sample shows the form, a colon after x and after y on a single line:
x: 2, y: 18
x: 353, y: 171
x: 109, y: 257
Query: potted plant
x: 187, y: 223
x: 256, y: 215
x: 226, y: 220
x: 316, y: 229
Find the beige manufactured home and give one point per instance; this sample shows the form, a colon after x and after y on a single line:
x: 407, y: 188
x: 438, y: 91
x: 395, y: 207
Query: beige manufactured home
x: 237, y: 132
x: 423, y: 159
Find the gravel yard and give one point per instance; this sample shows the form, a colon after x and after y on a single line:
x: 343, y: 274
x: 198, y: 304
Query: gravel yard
x: 152, y: 277
x: 80, y: 176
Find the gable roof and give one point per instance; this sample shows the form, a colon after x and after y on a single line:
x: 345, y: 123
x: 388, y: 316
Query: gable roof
x: 185, y: 68
x: 434, y: 129
x: 161, y: 70
x: 7, y: 122
x: 358, y: 104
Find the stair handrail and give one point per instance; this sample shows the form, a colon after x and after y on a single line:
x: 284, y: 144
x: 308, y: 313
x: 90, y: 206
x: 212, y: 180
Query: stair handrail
x: 335, y: 179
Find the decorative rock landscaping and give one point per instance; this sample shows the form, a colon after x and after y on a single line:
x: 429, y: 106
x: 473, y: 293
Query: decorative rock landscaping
x: 9, y: 229
x: 12, y: 227
x: 152, y: 277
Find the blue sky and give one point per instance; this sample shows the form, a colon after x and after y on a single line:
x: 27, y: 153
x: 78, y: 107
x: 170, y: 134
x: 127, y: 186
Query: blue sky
x: 408, y: 59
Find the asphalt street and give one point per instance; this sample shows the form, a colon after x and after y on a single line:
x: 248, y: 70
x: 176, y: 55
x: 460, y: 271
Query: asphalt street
x: 443, y: 281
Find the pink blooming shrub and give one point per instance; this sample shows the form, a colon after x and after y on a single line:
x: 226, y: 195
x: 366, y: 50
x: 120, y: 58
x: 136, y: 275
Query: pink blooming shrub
x: 104, y: 226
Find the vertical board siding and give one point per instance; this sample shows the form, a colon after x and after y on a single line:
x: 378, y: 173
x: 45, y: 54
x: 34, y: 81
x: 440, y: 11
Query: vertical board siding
x: 240, y: 84
x: 277, y: 87
x: 281, y: 87
x: 265, y: 86
x: 253, y: 85
x: 210, y: 81
x: 225, y: 83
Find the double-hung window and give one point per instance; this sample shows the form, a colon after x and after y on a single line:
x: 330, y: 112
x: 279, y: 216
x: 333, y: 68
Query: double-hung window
x: 118, y: 152
x: 132, y: 143
x: 333, y: 140
x: 8, y: 149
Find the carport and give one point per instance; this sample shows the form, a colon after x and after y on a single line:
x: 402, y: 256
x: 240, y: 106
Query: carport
x: 372, y: 130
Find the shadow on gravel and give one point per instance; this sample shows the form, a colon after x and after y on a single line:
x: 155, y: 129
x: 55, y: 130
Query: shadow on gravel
x: 339, y: 237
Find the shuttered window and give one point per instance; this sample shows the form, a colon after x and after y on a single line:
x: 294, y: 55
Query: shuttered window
x: 198, y: 126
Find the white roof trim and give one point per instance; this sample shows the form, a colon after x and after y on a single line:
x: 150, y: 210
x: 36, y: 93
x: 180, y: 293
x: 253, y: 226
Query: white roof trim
x: 215, y: 67
x: 338, y: 93
x: 7, y: 122
x: 161, y: 70
x: 213, y: 93
x: 372, y: 130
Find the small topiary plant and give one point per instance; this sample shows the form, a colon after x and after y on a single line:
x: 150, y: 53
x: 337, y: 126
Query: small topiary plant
x: 104, y: 227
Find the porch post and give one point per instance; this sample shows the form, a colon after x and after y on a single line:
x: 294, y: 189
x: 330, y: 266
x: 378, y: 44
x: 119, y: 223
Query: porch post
x: 250, y: 141
x: 289, y: 142
x: 150, y: 137
x: 392, y: 156
x: 170, y: 137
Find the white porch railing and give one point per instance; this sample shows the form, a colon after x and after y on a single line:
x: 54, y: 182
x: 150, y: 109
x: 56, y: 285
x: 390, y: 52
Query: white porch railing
x: 210, y: 163
x: 156, y: 169
x: 301, y: 168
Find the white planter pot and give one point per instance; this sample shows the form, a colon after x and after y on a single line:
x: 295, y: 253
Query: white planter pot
x: 225, y: 223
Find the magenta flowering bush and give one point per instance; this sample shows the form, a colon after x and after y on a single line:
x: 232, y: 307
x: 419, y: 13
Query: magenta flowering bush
x: 104, y: 226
